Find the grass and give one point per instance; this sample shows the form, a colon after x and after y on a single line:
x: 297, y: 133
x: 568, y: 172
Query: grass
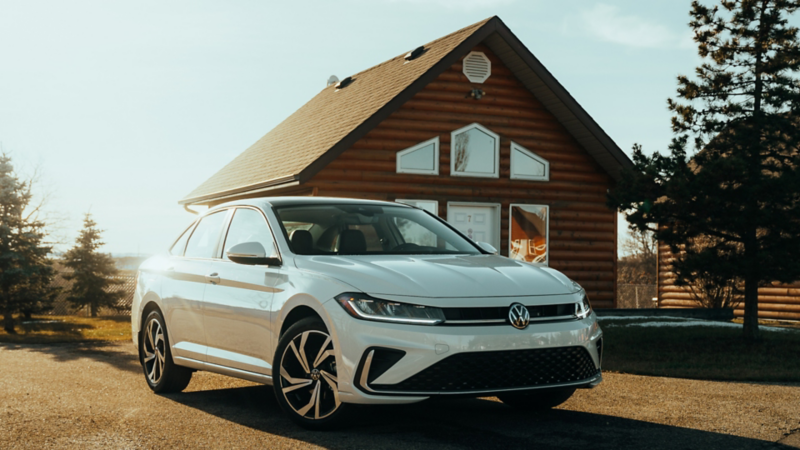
x: 706, y: 353
x: 59, y: 329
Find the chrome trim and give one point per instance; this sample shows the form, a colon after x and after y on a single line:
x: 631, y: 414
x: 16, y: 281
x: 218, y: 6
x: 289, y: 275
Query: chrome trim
x: 543, y: 319
x: 589, y: 382
x: 503, y: 321
x: 475, y: 321
x: 224, y: 370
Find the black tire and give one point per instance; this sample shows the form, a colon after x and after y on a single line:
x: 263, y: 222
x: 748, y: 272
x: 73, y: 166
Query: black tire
x: 309, y: 396
x: 162, y: 374
x: 538, y: 400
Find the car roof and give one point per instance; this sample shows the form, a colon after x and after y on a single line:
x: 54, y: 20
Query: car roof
x: 300, y: 201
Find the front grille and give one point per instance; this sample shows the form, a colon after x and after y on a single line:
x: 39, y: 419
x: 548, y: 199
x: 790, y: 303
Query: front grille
x: 495, y: 371
x: 537, y: 312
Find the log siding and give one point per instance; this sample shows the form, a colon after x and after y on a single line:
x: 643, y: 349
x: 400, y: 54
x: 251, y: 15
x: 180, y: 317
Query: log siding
x: 779, y: 301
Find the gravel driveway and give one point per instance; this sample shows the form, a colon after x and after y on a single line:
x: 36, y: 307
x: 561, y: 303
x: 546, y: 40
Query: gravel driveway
x: 95, y: 396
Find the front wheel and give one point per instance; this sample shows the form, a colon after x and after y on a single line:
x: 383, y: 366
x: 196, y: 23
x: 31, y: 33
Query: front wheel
x: 162, y: 374
x: 537, y: 400
x: 307, y: 387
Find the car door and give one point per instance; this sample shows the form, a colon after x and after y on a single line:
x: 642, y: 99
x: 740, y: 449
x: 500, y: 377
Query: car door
x: 184, y: 284
x: 237, y: 306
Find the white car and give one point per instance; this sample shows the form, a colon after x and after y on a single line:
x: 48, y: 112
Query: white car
x: 336, y: 302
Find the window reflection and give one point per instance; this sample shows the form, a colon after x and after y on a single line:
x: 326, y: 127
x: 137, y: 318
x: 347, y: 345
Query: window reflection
x: 528, y: 234
x: 475, y: 152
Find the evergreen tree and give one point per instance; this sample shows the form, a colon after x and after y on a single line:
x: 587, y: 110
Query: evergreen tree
x: 25, y: 271
x: 740, y: 193
x: 92, y: 272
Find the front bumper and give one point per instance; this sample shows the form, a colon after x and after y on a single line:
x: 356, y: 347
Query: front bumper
x: 479, y: 360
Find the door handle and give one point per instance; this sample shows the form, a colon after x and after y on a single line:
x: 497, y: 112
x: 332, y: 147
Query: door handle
x: 213, y: 278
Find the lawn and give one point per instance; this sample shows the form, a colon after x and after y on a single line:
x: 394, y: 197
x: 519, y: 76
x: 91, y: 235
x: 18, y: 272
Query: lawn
x: 56, y: 329
x: 704, y: 352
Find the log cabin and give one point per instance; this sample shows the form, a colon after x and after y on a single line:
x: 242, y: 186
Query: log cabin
x: 776, y: 301
x: 471, y: 127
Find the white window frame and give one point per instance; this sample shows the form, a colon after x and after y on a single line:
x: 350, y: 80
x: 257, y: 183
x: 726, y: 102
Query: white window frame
x: 496, y: 173
x: 546, y: 262
x: 516, y: 176
x: 435, y: 171
x: 413, y: 202
x: 497, y: 208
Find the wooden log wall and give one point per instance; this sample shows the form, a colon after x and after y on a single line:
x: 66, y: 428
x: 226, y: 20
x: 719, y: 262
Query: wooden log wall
x: 583, y: 234
x: 779, y: 301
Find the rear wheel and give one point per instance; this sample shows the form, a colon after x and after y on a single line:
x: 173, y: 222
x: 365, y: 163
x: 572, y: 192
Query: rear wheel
x: 162, y: 374
x: 307, y: 386
x: 537, y: 400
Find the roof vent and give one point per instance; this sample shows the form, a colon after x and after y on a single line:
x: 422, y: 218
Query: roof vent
x: 477, y: 67
x: 344, y: 83
x: 332, y: 80
x: 413, y: 54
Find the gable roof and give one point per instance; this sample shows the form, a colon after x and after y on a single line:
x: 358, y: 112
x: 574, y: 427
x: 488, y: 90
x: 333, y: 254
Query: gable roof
x: 332, y: 121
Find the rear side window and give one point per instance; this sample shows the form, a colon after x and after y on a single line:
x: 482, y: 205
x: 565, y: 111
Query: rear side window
x: 249, y: 225
x: 180, y: 244
x: 203, y: 243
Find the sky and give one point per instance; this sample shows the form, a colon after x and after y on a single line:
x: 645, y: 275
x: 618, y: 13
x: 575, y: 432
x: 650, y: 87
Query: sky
x: 126, y: 107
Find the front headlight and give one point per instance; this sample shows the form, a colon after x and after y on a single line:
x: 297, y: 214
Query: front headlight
x: 584, y: 308
x: 362, y: 306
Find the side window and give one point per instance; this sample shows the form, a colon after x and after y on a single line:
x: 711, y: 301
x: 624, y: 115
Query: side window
x: 180, y: 245
x: 203, y: 243
x: 249, y: 225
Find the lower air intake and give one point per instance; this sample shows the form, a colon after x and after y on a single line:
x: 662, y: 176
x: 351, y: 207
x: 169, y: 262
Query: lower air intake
x: 495, y: 371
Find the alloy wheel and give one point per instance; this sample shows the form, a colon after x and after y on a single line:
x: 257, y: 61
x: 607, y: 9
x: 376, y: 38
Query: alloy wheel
x: 154, y: 351
x: 308, y: 375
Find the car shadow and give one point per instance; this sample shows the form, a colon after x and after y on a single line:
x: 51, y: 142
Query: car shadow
x: 108, y: 352
x: 459, y: 423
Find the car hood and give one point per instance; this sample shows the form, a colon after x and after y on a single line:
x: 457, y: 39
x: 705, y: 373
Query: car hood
x: 440, y: 276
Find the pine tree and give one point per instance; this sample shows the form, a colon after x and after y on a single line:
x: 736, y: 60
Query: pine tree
x: 92, y: 272
x: 25, y: 271
x: 740, y: 192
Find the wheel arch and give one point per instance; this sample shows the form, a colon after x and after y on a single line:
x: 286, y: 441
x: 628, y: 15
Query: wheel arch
x: 297, y: 314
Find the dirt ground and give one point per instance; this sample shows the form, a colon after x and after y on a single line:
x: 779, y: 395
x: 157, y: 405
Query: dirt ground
x: 95, y: 396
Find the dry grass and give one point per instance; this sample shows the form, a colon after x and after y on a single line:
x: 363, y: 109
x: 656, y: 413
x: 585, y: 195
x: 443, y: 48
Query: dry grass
x: 697, y: 352
x: 57, y: 329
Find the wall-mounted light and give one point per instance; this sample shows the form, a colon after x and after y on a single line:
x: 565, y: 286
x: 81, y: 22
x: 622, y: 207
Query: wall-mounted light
x: 476, y: 94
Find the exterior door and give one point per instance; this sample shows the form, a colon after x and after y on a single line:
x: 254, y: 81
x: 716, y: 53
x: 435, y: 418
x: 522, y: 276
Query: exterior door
x: 184, y: 285
x: 480, y: 222
x: 237, y: 305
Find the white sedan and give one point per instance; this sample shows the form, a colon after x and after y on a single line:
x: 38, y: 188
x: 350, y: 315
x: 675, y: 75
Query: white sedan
x: 336, y: 302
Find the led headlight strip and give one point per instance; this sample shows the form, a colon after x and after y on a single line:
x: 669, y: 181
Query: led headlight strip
x: 362, y: 306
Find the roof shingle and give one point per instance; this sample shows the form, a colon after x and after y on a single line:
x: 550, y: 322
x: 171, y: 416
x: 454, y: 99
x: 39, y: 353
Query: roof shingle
x: 301, y: 139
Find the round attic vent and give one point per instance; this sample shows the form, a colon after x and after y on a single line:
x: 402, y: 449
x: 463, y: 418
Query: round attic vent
x: 477, y: 67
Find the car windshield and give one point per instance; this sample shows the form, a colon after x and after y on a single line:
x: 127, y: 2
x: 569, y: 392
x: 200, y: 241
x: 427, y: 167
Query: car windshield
x: 358, y: 229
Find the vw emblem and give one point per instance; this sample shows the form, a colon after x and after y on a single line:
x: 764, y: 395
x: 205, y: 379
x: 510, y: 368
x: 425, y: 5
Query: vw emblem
x: 519, y: 316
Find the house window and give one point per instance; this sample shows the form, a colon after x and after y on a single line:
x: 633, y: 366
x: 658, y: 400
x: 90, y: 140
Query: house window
x: 474, y: 152
x: 528, y: 234
x: 422, y: 158
x: 432, y: 206
x: 526, y: 165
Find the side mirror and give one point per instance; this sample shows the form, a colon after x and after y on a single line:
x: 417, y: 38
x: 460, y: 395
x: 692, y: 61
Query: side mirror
x: 487, y: 247
x: 252, y: 253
